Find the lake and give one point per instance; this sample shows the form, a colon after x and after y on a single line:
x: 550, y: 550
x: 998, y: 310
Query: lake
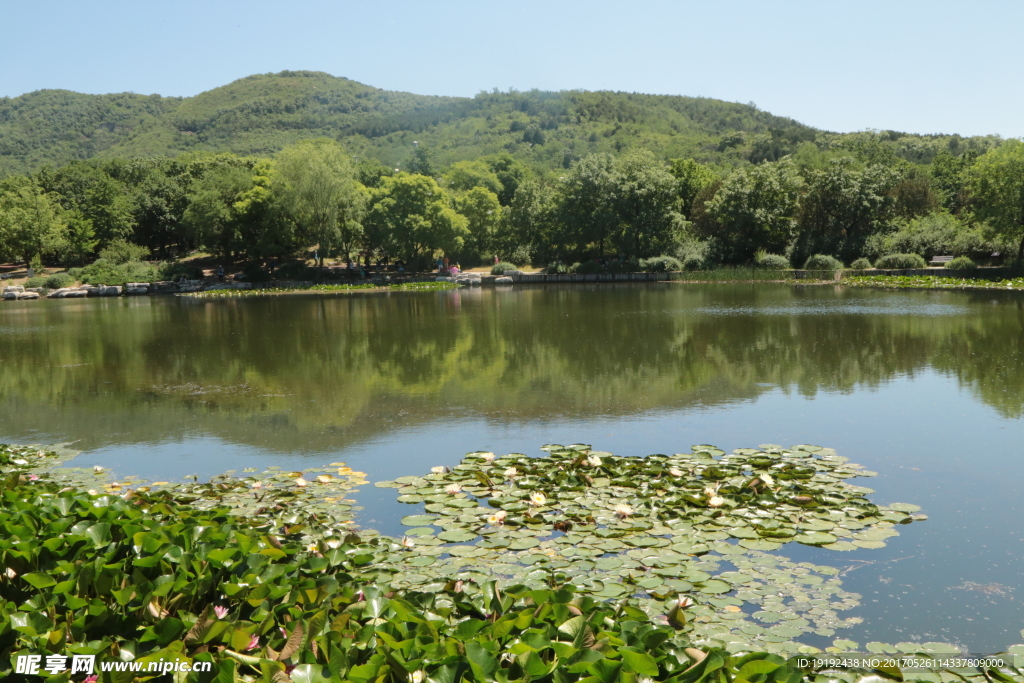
x: 926, y: 388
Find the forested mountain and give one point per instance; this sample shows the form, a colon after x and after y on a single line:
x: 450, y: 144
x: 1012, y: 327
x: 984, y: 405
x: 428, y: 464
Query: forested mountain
x: 261, y: 114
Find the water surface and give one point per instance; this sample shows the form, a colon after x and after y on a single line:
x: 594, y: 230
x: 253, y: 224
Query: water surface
x: 927, y: 388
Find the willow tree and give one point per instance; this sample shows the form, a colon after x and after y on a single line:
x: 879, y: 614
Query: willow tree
x: 315, y: 181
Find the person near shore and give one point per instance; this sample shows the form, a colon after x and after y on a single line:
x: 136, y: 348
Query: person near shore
x: 496, y: 261
x: 220, y: 273
x: 445, y: 264
x: 440, y: 264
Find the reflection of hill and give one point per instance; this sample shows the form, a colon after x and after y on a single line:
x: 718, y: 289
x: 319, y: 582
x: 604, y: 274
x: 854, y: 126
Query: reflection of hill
x: 312, y: 372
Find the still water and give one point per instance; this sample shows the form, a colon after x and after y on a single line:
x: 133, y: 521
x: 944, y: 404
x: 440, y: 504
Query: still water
x: 926, y: 388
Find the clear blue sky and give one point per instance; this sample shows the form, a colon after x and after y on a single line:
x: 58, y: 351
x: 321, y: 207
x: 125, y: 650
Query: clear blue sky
x: 918, y: 66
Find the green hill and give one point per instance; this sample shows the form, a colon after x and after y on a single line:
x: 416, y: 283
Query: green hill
x: 262, y: 113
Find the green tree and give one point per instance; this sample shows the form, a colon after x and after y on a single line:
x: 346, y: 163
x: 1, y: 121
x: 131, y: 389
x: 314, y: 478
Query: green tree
x: 755, y: 208
x: 84, y: 188
x: 586, y: 214
x: 482, y: 211
x: 31, y: 222
x: 644, y: 196
x: 844, y: 204
x: 529, y: 222
x: 511, y: 174
x: 997, y: 186
x: 422, y: 162
x: 411, y: 216
x: 951, y: 179
x: 213, y: 219
x: 691, y: 177
x: 465, y: 175
x: 317, y: 187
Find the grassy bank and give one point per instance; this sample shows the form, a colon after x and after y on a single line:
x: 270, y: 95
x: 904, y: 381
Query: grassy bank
x: 931, y: 282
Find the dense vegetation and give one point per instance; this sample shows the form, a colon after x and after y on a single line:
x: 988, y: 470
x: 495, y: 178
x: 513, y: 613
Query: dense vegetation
x: 260, y: 578
x: 603, y: 180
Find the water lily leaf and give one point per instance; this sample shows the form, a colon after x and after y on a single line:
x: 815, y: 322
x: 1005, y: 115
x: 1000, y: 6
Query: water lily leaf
x: 524, y: 543
x: 714, y: 586
x: 815, y: 538
x: 418, y: 520
x: 457, y: 536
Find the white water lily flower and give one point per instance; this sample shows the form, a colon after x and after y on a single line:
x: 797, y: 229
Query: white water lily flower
x: 257, y: 484
x: 594, y: 460
x: 301, y: 482
x: 622, y: 511
x: 97, y: 469
x: 452, y: 489
x: 333, y: 543
x: 716, y: 501
x: 19, y: 461
x: 488, y: 457
x: 11, y: 573
x: 417, y: 676
x: 312, y: 547
x: 767, y: 479
x: 437, y: 470
x: 710, y: 491
x: 511, y: 473
x: 537, y: 498
x: 675, y: 471
x: 408, y: 542
x: 497, y: 519
x: 91, y: 492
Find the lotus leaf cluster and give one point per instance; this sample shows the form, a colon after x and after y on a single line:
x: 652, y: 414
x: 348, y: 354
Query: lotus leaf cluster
x: 689, y: 527
x: 249, y: 574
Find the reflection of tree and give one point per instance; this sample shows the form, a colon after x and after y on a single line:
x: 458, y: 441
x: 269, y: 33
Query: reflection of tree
x: 319, y: 370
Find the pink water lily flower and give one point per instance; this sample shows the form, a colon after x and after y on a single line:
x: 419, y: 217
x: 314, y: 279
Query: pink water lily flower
x: 220, y: 611
x: 253, y: 643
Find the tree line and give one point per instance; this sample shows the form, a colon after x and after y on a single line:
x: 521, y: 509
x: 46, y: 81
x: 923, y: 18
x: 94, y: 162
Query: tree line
x: 851, y: 200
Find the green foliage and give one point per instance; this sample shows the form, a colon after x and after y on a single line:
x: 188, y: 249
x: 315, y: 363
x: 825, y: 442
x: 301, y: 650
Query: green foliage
x: 754, y: 209
x: 120, y: 252
x: 411, y: 216
x: 587, y: 268
x: 691, y: 178
x: 843, y: 205
x: 176, y: 270
x: 771, y: 261
x: 56, y: 281
x: 861, y: 264
x: 661, y: 264
x: 500, y: 267
x: 31, y: 223
x: 103, y: 272
x: 254, y: 272
x: 936, y: 234
x: 961, y: 263
x: 315, y: 183
x: 823, y: 262
x: 997, y: 187
x: 900, y: 262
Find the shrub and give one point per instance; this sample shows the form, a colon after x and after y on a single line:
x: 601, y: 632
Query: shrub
x: 556, y: 268
x: 254, y: 272
x: 296, y: 270
x: 900, y: 262
x: 771, y: 261
x: 58, y: 280
x: 861, y: 264
x: 120, y: 252
x: 37, y: 281
x: 522, y: 254
x: 589, y: 268
x: 500, y: 267
x: 823, y: 262
x: 175, y: 270
x: 103, y: 272
x: 961, y: 263
x: 694, y: 262
x: 660, y: 264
